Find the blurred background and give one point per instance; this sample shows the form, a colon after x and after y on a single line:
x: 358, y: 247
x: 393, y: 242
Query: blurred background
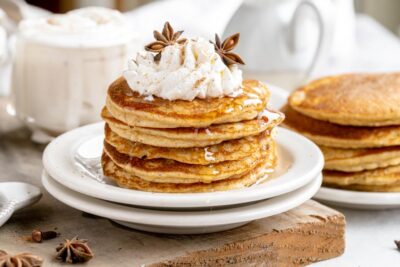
x: 387, y: 12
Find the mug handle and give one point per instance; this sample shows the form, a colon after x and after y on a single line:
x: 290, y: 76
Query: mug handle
x: 323, y: 15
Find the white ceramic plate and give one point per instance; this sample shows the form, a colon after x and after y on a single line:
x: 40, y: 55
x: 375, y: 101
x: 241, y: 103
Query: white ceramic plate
x: 357, y: 199
x: 279, y: 97
x: 15, y: 196
x: 181, y: 222
x: 73, y: 159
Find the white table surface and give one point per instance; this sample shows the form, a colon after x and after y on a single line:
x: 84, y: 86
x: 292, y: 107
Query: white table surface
x: 370, y: 234
x: 370, y: 239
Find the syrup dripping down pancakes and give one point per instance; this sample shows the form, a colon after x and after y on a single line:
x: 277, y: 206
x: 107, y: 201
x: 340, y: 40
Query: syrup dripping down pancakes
x: 214, y: 144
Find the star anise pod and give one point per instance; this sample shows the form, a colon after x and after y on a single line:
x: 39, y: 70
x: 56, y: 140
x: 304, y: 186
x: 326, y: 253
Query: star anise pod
x: 164, y: 39
x: 223, y: 49
x: 74, y: 251
x: 397, y: 242
x: 19, y: 260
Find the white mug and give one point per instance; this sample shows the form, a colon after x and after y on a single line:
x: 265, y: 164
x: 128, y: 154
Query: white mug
x: 3, y: 53
x: 63, y: 66
x: 3, y: 45
x: 282, y: 35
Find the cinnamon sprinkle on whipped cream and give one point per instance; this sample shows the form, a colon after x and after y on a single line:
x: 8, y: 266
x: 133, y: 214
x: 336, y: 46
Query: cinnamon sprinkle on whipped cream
x: 185, y: 71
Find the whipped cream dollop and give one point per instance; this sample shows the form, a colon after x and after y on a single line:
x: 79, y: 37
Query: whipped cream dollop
x: 91, y: 26
x: 185, y: 71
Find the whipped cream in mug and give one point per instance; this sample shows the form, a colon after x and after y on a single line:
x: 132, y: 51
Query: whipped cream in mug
x: 185, y: 71
x: 86, y: 27
x: 63, y: 66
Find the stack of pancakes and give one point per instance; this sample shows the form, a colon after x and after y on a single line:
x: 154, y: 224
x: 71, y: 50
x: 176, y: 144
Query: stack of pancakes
x: 355, y: 119
x: 215, y: 144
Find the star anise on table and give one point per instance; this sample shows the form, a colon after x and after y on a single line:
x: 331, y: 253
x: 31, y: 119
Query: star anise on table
x: 164, y: 39
x: 19, y: 260
x: 74, y: 251
x: 397, y: 242
x: 224, y: 49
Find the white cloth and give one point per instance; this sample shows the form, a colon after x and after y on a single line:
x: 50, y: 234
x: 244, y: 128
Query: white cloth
x: 198, y: 18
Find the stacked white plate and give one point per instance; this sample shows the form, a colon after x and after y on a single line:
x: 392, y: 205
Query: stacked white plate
x: 72, y: 174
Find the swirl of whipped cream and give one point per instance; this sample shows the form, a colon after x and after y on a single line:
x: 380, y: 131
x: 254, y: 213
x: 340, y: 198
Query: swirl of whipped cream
x: 86, y: 27
x: 185, y: 71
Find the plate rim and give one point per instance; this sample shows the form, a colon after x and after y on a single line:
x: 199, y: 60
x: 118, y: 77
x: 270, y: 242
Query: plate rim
x: 361, y: 198
x: 176, y: 200
x: 206, y: 218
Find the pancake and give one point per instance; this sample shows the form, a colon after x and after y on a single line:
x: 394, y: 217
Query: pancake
x: 378, y: 177
x: 354, y: 160
x: 194, y: 137
x: 124, y: 179
x: 135, y: 110
x: 372, y: 188
x: 334, y: 135
x: 171, y: 171
x: 225, y: 151
x: 351, y: 99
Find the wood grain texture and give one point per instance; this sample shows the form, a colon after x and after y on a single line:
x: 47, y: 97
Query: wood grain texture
x: 309, y: 233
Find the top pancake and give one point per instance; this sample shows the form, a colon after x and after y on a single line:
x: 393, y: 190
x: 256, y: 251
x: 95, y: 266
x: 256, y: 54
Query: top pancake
x: 351, y: 99
x: 136, y: 110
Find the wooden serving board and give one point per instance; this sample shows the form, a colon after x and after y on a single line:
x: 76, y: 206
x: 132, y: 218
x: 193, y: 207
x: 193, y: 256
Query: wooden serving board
x: 309, y: 233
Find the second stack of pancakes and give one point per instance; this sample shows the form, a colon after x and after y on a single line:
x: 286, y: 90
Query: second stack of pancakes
x: 157, y: 145
x: 355, y: 119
